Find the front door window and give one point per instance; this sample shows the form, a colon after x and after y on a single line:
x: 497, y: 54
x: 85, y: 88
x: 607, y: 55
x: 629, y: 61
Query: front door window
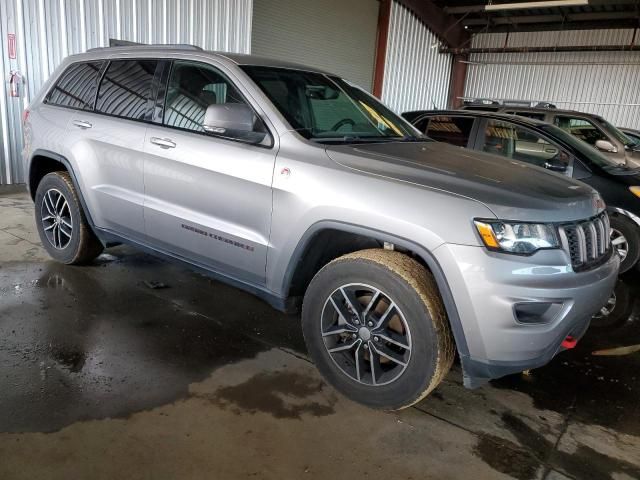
x: 519, y: 143
x: 581, y: 128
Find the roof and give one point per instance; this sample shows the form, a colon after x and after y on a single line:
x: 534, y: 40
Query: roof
x: 475, y: 113
x: 244, y: 59
x: 181, y: 49
x: 514, y: 108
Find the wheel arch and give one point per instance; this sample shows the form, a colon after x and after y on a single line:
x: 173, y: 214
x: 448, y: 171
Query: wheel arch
x: 616, y: 211
x: 300, y: 271
x: 43, y: 162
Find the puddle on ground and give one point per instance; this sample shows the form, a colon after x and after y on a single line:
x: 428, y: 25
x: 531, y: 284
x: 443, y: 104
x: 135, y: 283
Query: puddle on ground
x: 281, y: 394
x: 597, y: 389
x: 524, y: 459
x: 77, y: 346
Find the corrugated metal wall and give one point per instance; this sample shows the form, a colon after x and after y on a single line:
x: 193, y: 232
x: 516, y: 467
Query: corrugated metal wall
x: 416, y: 75
x: 49, y: 30
x: 333, y: 35
x: 606, y: 83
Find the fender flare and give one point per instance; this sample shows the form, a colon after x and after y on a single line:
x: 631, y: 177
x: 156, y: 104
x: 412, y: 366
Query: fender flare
x: 625, y: 213
x: 63, y: 160
x: 423, y: 253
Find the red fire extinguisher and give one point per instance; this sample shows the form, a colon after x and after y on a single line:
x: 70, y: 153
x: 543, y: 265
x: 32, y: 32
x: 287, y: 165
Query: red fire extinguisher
x: 15, y: 81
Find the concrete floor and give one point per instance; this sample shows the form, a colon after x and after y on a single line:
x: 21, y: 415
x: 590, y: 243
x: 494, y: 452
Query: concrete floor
x: 103, y: 377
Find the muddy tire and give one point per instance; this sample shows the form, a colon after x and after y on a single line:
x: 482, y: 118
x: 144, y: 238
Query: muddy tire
x: 62, y: 225
x: 376, y: 328
x: 618, y: 309
x: 625, y: 236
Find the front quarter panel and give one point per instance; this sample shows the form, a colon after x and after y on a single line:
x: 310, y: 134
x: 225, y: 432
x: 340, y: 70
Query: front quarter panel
x: 309, y: 188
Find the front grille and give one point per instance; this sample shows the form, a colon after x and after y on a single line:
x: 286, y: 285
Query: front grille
x: 588, y: 243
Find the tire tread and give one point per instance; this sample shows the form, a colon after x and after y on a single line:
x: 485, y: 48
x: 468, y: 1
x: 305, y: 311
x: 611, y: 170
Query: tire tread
x: 89, y: 247
x: 423, y: 283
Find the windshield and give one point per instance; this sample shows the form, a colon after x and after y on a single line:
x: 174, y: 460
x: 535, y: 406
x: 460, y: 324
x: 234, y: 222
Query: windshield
x: 617, y: 133
x: 591, y: 153
x: 327, y: 109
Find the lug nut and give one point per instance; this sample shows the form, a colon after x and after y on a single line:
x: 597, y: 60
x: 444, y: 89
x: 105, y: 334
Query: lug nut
x: 366, y: 346
x: 370, y: 324
x: 357, y: 322
x: 376, y: 339
x: 353, y: 335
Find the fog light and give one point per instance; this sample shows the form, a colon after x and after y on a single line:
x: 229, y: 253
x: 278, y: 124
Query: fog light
x: 536, y: 312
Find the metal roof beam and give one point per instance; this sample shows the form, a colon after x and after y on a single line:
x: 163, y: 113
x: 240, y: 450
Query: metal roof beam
x: 570, y: 17
x: 528, y: 5
x: 553, y: 26
x: 447, y: 28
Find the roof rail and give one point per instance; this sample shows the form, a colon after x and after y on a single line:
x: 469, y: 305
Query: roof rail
x: 113, y: 43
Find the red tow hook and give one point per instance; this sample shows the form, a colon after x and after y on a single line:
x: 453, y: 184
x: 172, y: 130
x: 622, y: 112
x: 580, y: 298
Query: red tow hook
x: 569, y: 342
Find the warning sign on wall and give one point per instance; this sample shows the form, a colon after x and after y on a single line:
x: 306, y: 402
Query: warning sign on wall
x: 12, y: 45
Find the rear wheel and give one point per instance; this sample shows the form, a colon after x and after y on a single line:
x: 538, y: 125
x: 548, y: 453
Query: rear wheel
x: 61, y: 223
x: 625, y: 238
x: 375, y: 326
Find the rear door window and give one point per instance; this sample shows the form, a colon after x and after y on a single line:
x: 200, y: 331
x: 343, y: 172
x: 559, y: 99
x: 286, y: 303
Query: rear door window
x: 450, y: 129
x: 125, y: 90
x: 76, y: 87
x: 581, y: 128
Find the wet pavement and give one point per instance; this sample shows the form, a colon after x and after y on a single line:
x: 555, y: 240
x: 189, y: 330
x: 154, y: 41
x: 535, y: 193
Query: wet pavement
x: 105, y: 374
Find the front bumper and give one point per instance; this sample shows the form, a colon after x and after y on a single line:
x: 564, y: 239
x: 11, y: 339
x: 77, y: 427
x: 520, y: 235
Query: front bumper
x: 494, y: 339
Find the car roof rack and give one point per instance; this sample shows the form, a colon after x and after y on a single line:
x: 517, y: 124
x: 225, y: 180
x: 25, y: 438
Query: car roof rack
x: 114, y: 43
x: 493, y: 102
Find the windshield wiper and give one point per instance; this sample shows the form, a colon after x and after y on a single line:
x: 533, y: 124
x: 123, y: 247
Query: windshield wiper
x: 413, y: 138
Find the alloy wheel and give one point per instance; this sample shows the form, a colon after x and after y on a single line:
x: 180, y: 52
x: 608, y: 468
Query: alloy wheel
x: 56, y: 218
x: 366, y: 334
x: 620, y: 243
x: 608, y: 308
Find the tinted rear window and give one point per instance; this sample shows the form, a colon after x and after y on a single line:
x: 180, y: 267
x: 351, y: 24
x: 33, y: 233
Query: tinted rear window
x: 126, y: 88
x: 76, y: 88
x: 453, y: 130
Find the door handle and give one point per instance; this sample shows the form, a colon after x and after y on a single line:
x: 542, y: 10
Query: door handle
x: 82, y: 124
x: 163, y: 142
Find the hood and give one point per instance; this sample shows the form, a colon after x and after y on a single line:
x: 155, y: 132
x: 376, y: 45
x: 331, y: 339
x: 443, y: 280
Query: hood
x: 512, y: 190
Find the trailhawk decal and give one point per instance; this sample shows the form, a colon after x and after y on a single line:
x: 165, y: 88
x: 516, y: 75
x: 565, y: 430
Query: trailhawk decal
x: 218, y: 237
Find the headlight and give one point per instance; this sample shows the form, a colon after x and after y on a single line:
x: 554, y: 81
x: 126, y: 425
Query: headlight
x: 518, y: 238
x: 635, y: 191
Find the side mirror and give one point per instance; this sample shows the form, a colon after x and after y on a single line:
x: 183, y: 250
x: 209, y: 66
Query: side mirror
x: 606, y: 146
x: 228, y: 119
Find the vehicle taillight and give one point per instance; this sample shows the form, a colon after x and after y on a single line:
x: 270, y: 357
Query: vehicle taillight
x: 25, y: 116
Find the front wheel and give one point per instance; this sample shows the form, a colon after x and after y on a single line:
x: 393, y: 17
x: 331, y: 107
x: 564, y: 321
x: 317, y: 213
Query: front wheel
x: 61, y: 223
x: 376, y: 328
x: 625, y: 238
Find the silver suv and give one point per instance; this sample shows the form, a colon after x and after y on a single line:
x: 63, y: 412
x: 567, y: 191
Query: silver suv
x: 301, y: 188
